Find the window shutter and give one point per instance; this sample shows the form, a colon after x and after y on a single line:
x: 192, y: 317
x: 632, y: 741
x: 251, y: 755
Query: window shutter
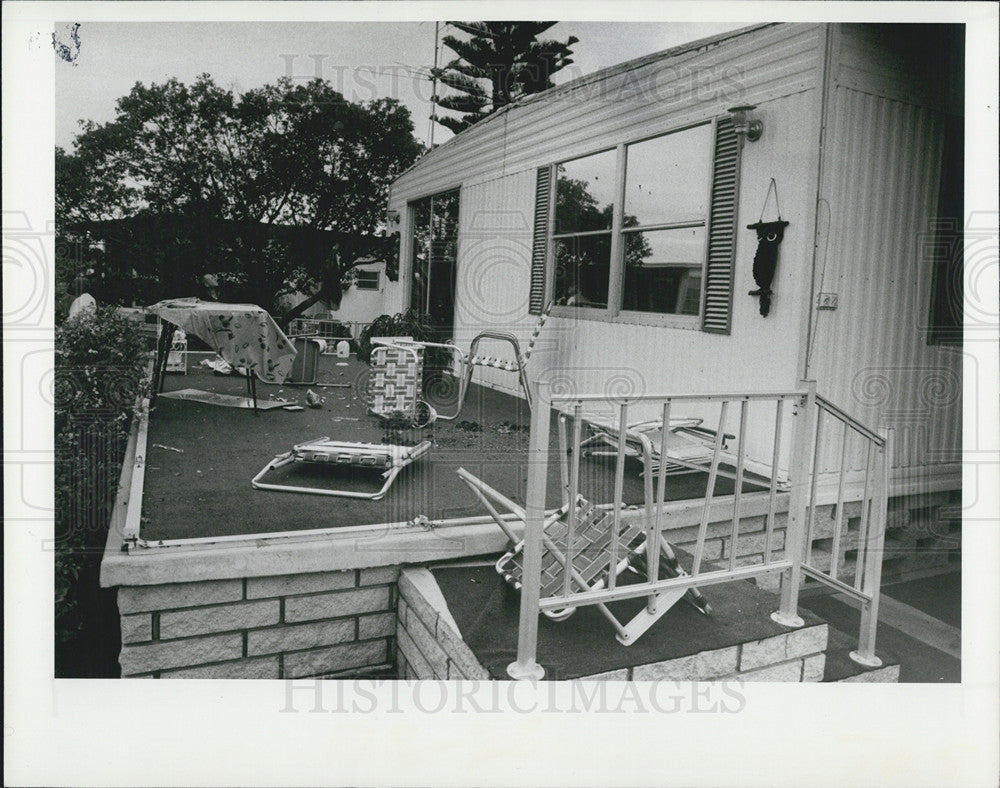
x: 717, y: 316
x: 543, y: 196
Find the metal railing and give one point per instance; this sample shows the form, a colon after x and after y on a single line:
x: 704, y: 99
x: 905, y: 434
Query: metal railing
x: 876, y: 449
x: 322, y: 328
x: 720, y: 459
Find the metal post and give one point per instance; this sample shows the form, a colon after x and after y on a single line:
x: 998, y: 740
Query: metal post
x: 791, y: 579
x: 573, y: 494
x: 699, y: 547
x: 734, y: 537
x: 618, y: 503
x: 865, y: 655
x: 835, y: 549
x: 538, y: 455
x: 773, y: 487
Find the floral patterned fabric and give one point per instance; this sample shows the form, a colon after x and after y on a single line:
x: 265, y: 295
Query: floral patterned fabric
x: 243, y: 334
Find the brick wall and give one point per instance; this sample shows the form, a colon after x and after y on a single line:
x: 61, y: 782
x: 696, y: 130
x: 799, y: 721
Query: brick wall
x: 923, y: 534
x: 430, y: 648
x: 285, y: 626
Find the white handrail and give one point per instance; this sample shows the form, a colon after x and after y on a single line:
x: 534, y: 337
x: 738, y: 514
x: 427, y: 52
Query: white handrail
x: 803, y: 468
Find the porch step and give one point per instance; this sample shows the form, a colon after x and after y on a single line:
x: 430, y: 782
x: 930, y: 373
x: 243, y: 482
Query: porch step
x: 473, y: 622
x: 839, y: 667
x: 921, y: 649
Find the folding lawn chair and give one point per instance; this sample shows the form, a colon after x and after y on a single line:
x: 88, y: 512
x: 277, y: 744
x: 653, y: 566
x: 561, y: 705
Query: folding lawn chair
x: 394, y: 386
x: 587, y: 556
x: 388, y: 459
x: 395, y: 382
x: 689, y: 449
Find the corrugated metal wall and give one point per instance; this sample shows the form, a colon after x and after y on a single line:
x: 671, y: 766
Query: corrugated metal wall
x: 494, y: 268
x: 878, y: 199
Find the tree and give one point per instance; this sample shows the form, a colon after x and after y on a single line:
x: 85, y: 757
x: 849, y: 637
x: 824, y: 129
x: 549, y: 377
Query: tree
x: 281, y: 189
x: 500, y: 62
x: 578, y: 211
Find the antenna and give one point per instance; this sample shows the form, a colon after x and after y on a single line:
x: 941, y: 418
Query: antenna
x: 430, y: 133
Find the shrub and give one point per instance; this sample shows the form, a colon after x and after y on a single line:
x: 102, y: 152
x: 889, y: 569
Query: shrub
x: 100, y: 362
x: 404, y: 324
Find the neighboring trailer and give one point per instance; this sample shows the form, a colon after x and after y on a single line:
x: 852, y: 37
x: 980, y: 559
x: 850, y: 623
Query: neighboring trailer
x: 854, y: 137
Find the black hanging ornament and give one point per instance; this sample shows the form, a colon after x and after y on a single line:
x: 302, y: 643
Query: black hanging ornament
x: 765, y: 261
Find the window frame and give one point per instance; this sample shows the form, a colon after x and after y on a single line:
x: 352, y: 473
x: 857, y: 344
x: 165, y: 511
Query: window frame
x: 406, y: 237
x: 593, y: 312
x: 375, y: 285
x: 614, y: 313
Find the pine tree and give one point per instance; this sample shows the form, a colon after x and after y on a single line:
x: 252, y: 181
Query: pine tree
x: 499, y: 63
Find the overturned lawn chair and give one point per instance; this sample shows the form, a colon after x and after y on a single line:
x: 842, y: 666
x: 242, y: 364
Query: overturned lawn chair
x: 688, y: 447
x: 587, y: 557
x: 384, y: 458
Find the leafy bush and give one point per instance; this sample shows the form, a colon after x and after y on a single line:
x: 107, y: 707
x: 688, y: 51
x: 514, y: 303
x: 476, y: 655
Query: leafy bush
x: 100, y: 361
x: 404, y: 324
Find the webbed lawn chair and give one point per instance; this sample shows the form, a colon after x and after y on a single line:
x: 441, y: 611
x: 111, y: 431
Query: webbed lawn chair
x: 395, y: 383
x: 388, y: 459
x: 689, y: 449
x: 587, y: 558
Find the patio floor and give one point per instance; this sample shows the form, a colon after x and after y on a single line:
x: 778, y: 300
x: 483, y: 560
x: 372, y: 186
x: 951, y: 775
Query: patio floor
x: 204, y: 489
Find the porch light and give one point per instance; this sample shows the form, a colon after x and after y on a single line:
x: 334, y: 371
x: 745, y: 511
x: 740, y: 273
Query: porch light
x: 743, y: 125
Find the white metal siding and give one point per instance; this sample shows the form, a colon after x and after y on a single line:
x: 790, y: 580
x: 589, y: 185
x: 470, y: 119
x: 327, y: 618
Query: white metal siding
x: 752, y: 68
x: 494, y: 269
x: 870, y: 356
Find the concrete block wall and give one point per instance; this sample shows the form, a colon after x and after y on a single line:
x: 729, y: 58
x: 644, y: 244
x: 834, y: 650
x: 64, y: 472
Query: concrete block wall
x: 923, y: 535
x: 429, y: 645
x: 793, y: 656
x: 750, y: 540
x: 431, y: 648
x: 284, y: 626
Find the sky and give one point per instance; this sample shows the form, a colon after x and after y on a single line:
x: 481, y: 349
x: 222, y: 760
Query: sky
x: 364, y: 60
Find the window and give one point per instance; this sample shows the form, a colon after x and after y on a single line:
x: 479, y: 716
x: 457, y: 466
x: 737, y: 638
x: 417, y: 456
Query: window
x: 946, y: 247
x: 434, y: 252
x: 366, y: 280
x: 647, y: 228
x: 663, y: 224
x: 581, y: 241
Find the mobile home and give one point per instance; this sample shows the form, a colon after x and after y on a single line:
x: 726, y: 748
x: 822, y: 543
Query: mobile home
x: 625, y: 200
x: 630, y: 203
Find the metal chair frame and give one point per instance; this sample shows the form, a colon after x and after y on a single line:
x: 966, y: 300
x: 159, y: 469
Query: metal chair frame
x: 345, y: 453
